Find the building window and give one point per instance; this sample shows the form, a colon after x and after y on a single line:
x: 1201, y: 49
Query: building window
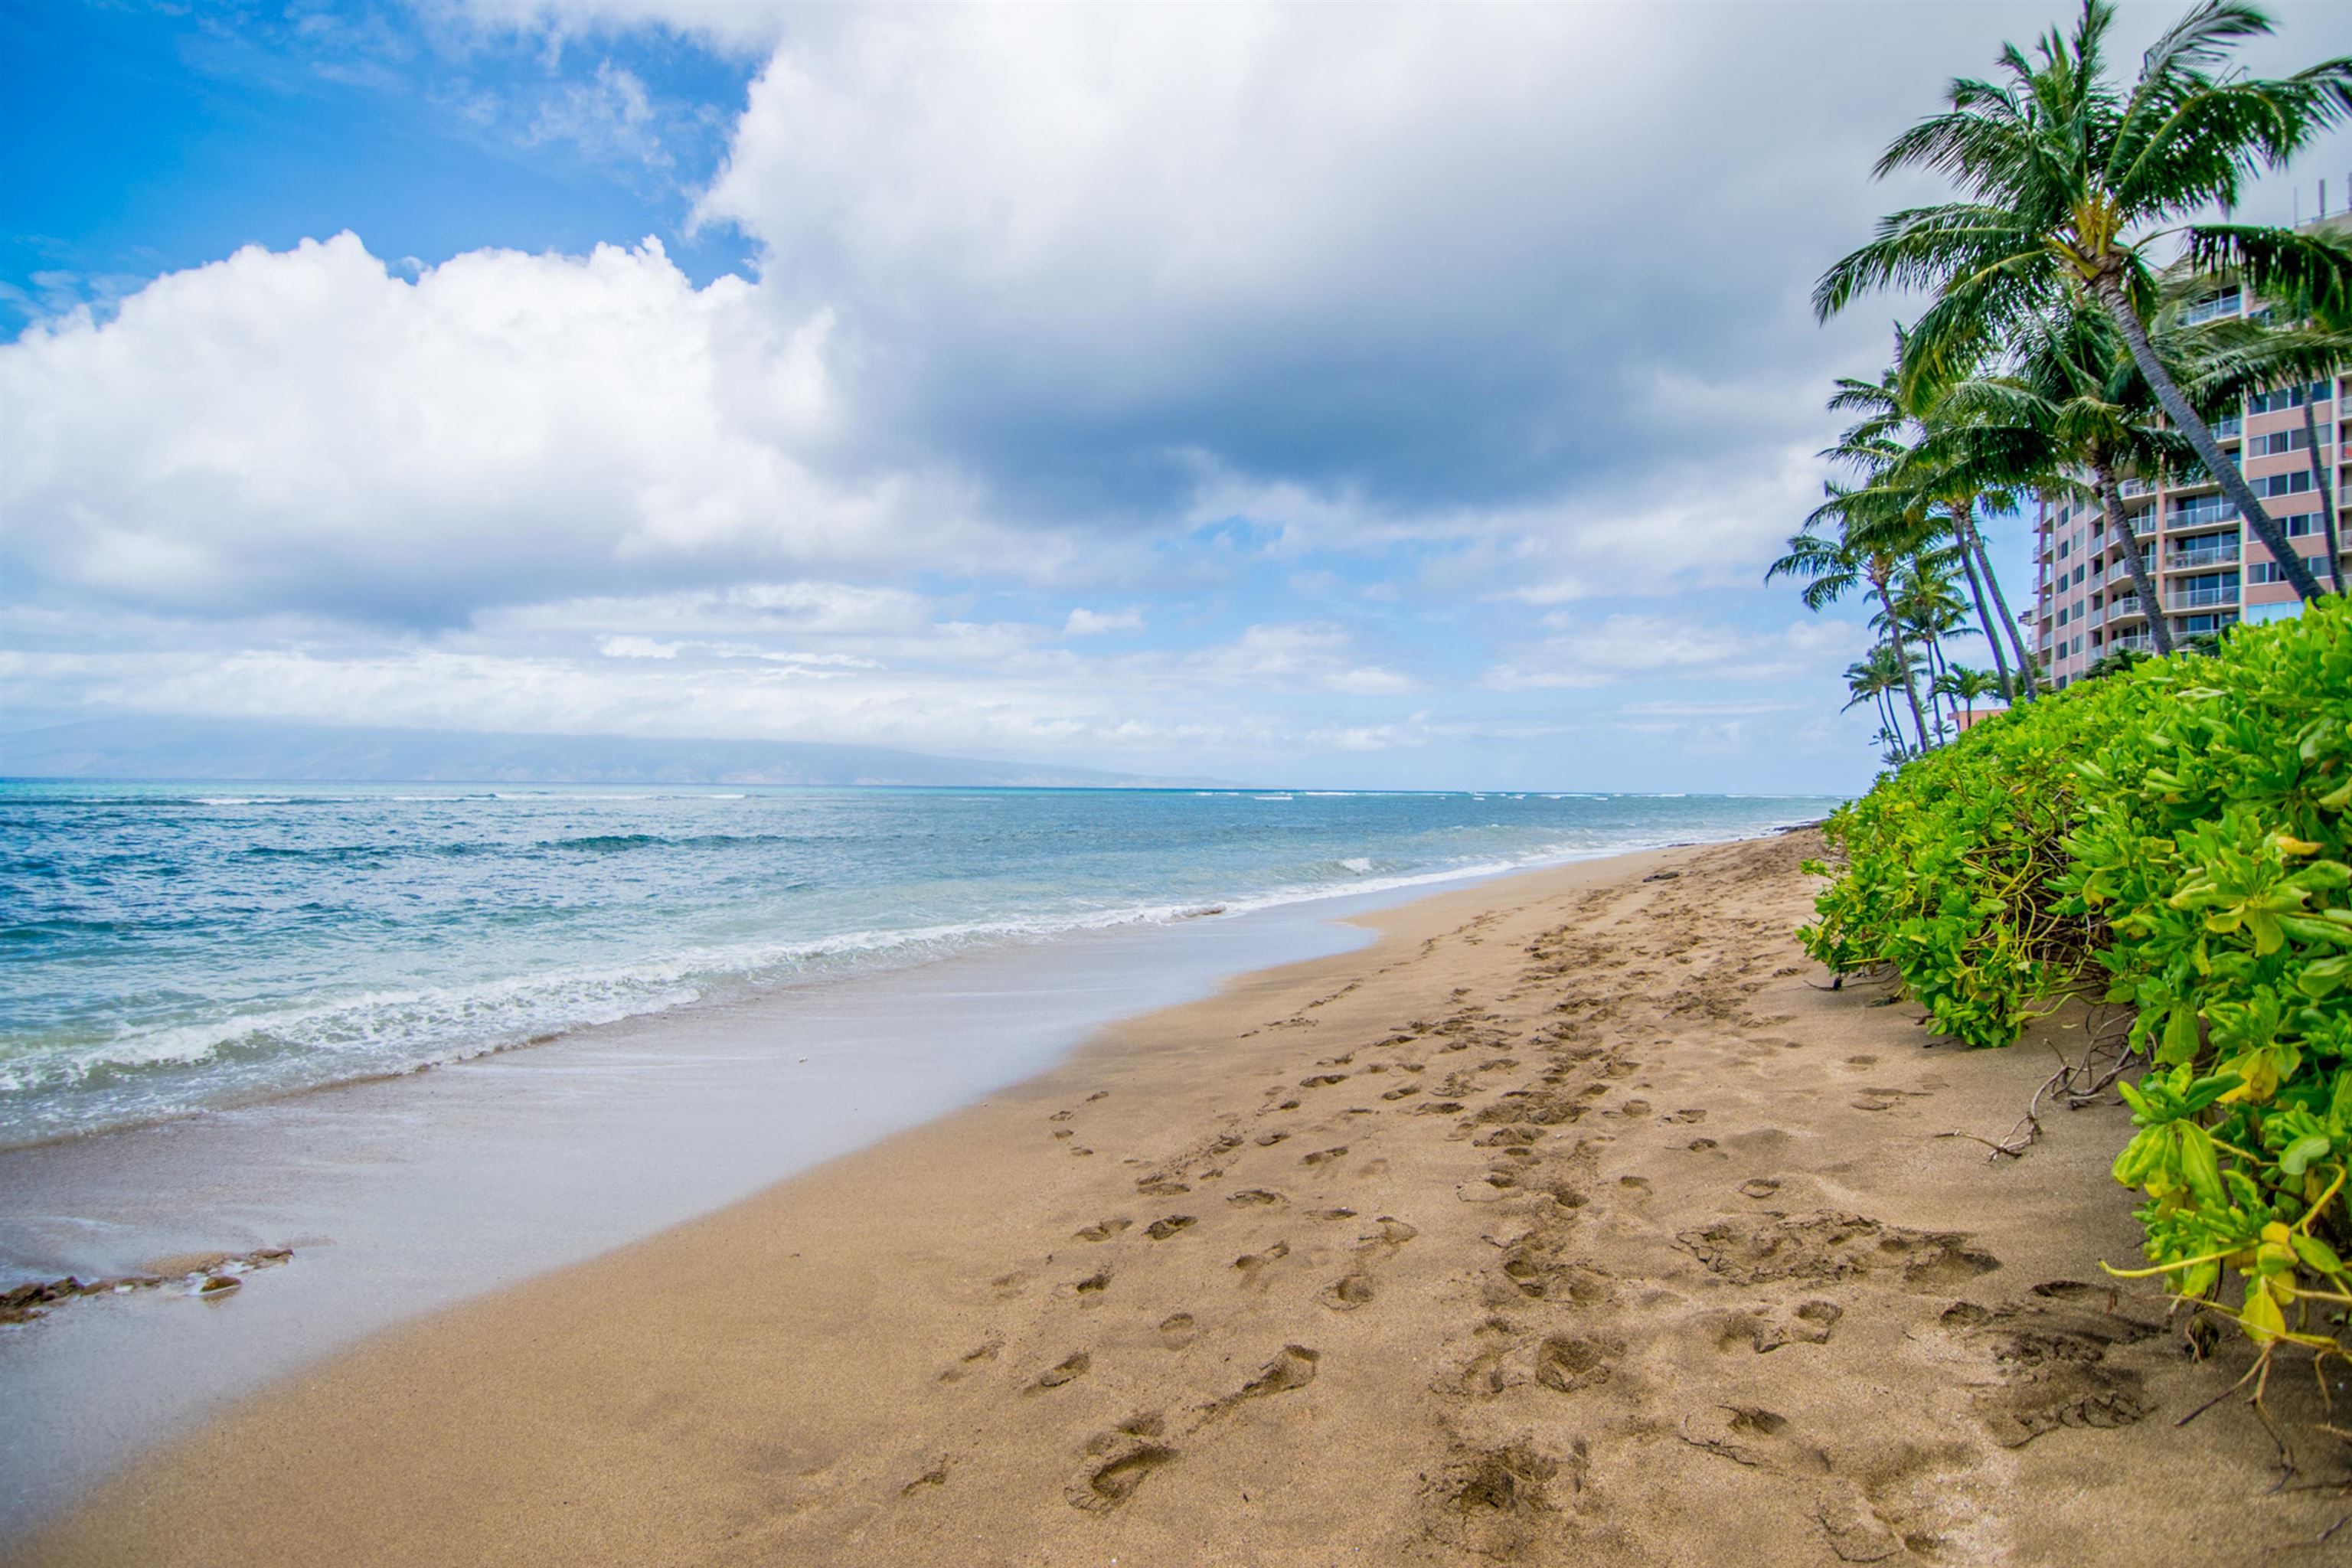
x: 2297, y: 439
x: 2286, y: 398
x: 2294, y: 484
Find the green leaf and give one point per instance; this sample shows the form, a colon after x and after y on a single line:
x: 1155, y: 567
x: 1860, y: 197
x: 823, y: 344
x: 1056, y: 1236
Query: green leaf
x: 2179, y: 1035
x: 2199, y: 1167
x: 2303, y: 1152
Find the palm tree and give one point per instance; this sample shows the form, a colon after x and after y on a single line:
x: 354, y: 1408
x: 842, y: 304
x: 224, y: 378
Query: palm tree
x: 2252, y: 355
x: 2068, y: 182
x: 1965, y: 685
x: 1901, y: 419
x: 2073, y: 403
x: 1864, y: 555
x: 1874, y: 679
x: 1932, y: 612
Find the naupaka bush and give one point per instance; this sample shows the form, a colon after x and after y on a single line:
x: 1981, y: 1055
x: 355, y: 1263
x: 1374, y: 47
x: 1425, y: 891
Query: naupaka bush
x: 2172, y: 837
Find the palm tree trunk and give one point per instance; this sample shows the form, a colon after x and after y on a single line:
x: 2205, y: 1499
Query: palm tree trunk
x: 2327, y: 493
x: 2026, y: 678
x: 1937, y: 668
x: 2201, y: 439
x: 1902, y: 654
x: 2111, y: 501
x: 1962, y: 529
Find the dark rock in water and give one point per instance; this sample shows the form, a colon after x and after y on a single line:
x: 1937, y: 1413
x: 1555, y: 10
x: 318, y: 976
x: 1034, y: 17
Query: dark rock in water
x: 25, y: 1301
x: 21, y: 1303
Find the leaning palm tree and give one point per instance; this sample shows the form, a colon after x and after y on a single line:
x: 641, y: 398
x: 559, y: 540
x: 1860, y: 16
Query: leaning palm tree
x: 2073, y: 414
x: 1873, y: 680
x: 2068, y: 184
x: 1866, y: 553
x: 2253, y: 355
x: 1932, y: 613
x: 1901, y: 419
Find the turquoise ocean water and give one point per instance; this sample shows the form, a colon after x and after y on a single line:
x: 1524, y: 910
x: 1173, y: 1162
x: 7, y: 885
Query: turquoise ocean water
x: 168, y: 948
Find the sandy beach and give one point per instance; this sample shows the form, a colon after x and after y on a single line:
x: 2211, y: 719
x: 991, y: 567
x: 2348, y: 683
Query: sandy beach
x: 1572, y: 1220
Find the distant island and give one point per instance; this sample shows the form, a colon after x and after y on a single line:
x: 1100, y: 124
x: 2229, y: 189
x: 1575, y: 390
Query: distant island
x: 247, y: 751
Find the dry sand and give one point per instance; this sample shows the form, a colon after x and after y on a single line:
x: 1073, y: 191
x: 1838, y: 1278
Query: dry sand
x: 1570, y: 1222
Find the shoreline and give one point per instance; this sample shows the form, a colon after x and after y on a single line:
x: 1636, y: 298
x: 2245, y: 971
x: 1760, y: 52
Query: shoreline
x: 903, y: 951
x: 1675, y: 1266
x: 401, y: 1195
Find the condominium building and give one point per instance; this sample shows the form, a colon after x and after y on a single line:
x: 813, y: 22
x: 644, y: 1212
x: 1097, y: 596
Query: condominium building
x: 2207, y: 568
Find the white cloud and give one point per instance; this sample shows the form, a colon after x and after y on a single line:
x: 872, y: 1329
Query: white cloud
x: 1668, y: 645
x: 1086, y: 623
x: 1310, y: 655
x: 306, y: 429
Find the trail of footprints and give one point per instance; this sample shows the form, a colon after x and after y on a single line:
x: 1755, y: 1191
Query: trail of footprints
x: 1542, y: 1084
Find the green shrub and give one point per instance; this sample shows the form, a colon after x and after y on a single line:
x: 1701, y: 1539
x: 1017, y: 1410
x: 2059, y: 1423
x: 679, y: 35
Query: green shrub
x: 2173, y: 838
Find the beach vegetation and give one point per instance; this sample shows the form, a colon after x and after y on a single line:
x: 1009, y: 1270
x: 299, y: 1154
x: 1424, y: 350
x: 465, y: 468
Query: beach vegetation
x: 2166, y: 847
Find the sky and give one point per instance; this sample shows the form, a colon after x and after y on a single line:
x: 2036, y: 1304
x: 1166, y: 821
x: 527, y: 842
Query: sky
x: 1396, y: 397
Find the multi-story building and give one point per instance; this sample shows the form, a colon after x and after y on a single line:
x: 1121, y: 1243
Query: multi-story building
x: 2207, y: 568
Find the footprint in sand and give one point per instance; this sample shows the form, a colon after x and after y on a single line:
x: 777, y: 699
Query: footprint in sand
x: 1268, y: 1140
x: 1116, y: 1464
x: 1758, y: 1187
x: 1177, y: 1330
x: 1254, y: 1197
x: 1253, y: 1265
x: 1566, y: 1362
x: 937, y: 1476
x: 1162, y: 1229
x: 1103, y: 1230
x: 1293, y: 1368
x: 1094, y: 1284
x: 975, y: 1357
x: 1346, y: 1293
x: 1324, y: 1156
x: 1069, y: 1370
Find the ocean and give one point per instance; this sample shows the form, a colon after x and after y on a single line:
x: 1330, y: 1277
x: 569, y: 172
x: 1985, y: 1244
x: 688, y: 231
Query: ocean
x: 174, y: 948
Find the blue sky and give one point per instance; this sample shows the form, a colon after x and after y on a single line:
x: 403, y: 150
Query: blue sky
x: 1398, y: 397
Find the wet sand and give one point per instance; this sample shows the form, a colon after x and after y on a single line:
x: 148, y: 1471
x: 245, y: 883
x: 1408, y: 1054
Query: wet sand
x: 1569, y: 1222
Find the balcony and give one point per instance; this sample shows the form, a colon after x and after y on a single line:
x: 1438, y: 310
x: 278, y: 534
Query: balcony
x: 2135, y: 642
x: 2202, y: 513
x: 2131, y: 488
x: 2228, y: 428
x: 2196, y: 560
x: 2201, y: 598
x: 2224, y: 304
x: 2125, y: 608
